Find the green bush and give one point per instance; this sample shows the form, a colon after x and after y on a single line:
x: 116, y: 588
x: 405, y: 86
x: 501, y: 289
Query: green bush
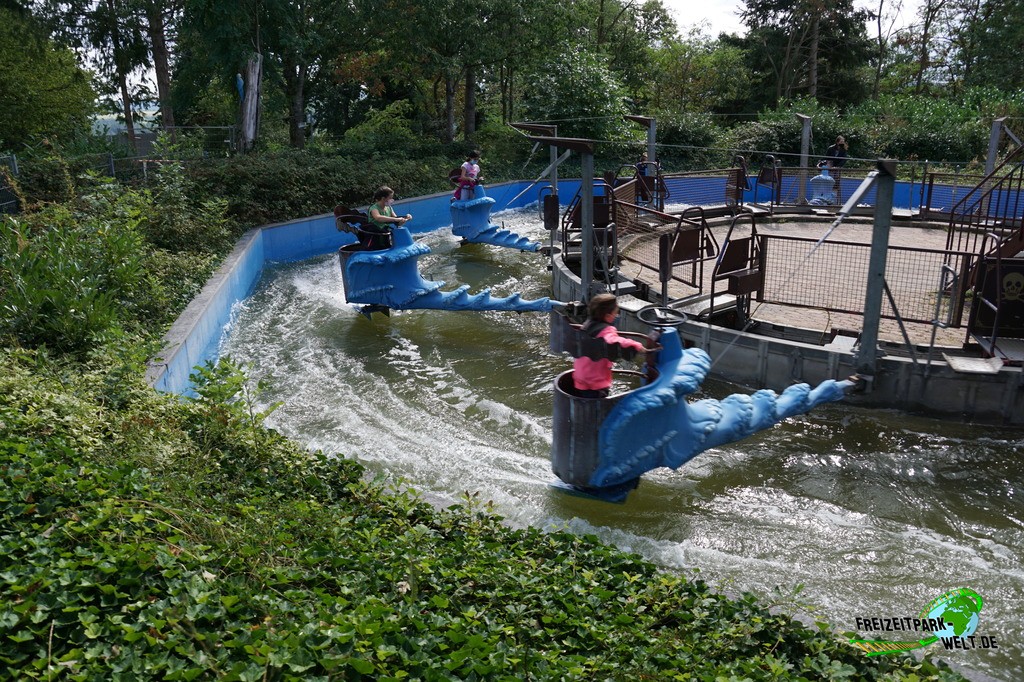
x: 180, y: 219
x: 71, y: 274
x: 267, y: 188
x: 690, y: 141
x: 774, y: 136
x: 66, y: 284
x: 925, y: 128
x: 44, y: 176
x: 147, y: 537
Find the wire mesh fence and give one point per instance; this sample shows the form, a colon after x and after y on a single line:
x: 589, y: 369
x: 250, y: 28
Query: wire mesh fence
x: 834, y: 276
x: 187, y: 143
x: 8, y: 199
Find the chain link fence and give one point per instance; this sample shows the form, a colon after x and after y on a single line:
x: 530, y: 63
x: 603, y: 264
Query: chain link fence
x: 188, y: 142
x: 833, y: 275
x: 8, y: 199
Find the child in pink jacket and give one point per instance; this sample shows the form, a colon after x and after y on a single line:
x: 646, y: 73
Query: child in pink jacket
x: 593, y: 378
x: 469, y: 173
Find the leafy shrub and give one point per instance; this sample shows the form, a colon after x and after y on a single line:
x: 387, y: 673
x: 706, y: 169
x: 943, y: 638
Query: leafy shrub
x: 918, y: 127
x: 44, y: 176
x: 122, y: 558
x: 268, y: 188
x: 581, y: 91
x: 385, y: 129
x: 66, y: 284
x: 71, y: 274
x: 179, y: 219
x: 777, y: 136
x: 689, y: 140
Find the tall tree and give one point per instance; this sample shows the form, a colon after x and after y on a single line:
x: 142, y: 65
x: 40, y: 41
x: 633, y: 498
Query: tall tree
x: 109, y: 36
x: 43, y: 91
x: 808, y: 47
x: 1000, y: 28
x: 698, y: 75
x: 884, y: 16
x: 161, y: 16
x: 226, y: 34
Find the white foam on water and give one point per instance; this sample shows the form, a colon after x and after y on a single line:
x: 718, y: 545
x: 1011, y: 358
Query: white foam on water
x: 876, y: 514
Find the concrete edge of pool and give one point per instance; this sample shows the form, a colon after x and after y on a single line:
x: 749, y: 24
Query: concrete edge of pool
x: 196, y: 334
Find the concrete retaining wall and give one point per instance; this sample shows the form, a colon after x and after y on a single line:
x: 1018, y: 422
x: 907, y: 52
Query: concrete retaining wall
x: 196, y: 334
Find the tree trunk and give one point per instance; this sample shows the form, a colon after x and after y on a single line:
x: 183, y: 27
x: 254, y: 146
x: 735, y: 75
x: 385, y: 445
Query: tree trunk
x: 449, y: 110
x: 122, y: 74
x: 929, y: 13
x: 812, y: 60
x: 295, y: 87
x: 881, y: 51
x: 470, y: 123
x: 126, y: 103
x: 161, y: 64
x: 504, y: 93
x: 251, y: 101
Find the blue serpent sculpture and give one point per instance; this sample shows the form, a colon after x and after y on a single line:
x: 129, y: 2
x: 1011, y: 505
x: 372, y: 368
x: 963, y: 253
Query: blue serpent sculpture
x: 655, y: 426
x: 601, y: 447
x: 390, y: 278
x: 471, y: 220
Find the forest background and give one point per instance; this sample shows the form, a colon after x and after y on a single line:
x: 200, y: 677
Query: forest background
x: 408, y: 79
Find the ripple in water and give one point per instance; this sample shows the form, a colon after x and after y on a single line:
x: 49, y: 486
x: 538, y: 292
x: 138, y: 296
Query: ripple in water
x: 874, y: 513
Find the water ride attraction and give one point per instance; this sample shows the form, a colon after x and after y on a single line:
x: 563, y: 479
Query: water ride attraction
x: 602, y: 446
x: 848, y: 500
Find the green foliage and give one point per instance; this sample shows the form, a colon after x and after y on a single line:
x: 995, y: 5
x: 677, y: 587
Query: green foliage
x: 43, y: 92
x: 268, y: 188
x: 581, y: 93
x: 180, y: 220
x: 772, y: 135
x: 150, y: 538
x: 386, y: 129
x: 698, y: 75
x: 45, y: 175
x: 65, y: 284
x: 917, y: 127
x: 686, y: 141
x: 74, y: 274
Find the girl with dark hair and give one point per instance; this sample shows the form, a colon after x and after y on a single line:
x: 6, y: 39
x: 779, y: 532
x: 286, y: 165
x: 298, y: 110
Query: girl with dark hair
x: 376, y: 234
x: 469, y: 176
x: 593, y: 378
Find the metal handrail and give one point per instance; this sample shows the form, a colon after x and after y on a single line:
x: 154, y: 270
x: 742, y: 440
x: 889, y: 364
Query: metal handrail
x: 944, y: 270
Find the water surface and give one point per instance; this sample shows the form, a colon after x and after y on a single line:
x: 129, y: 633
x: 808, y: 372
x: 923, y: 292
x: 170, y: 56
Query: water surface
x: 874, y: 513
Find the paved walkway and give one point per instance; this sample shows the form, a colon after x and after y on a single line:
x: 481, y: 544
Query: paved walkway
x: 833, y: 278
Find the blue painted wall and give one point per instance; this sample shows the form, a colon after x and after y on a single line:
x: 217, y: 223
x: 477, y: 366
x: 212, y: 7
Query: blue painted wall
x: 198, y: 331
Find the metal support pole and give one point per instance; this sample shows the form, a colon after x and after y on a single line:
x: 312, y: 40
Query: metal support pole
x: 805, y: 150
x: 652, y: 134
x: 554, y: 163
x: 993, y: 144
x: 885, y: 183
x: 110, y: 163
x: 587, y: 223
x: 14, y: 164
